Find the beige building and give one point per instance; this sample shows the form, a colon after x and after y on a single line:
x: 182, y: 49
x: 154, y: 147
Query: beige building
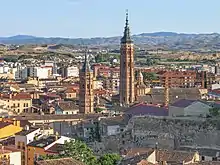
x: 86, y: 89
x: 126, y: 91
x: 17, y: 102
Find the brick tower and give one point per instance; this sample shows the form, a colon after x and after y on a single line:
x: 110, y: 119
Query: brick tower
x: 86, y: 95
x: 127, y: 95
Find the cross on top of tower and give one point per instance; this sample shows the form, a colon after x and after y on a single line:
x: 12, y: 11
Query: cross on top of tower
x: 126, y: 37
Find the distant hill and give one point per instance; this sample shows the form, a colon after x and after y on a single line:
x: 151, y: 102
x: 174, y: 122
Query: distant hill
x: 166, y: 40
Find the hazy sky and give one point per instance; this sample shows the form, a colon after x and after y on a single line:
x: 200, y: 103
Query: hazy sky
x: 92, y: 18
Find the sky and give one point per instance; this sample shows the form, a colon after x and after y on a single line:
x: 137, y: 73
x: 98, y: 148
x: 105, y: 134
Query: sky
x: 104, y: 18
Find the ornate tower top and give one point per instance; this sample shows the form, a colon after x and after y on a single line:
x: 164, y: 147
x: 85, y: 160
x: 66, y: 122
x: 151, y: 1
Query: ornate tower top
x: 86, y: 66
x: 126, y: 37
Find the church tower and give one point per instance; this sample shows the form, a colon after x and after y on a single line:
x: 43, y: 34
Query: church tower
x: 86, y: 95
x: 127, y: 94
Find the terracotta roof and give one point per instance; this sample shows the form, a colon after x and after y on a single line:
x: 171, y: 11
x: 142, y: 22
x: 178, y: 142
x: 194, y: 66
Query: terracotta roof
x: 139, y: 151
x: 18, y: 96
x: 63, y: 161
x: 68, y: 105
x: 117, y: 120
x: 174, y: 156
x: 70, y: 90
x: 56, y: 148
x: 100, y: 92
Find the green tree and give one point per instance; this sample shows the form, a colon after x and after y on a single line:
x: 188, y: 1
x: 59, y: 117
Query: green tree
x: 149, y: 76
x: 98, y: 110
x: 109, y: 159
x: 214, y: 111
x: 79, y: 151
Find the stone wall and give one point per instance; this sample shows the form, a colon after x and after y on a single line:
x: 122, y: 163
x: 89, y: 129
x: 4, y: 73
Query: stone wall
x: 167, y: 132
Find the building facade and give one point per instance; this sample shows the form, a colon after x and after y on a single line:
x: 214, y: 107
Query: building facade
x: 86, y: 95
x: 127, y: 95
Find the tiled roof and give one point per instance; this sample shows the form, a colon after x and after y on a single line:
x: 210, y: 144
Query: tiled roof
x: 17, y: 96
x: 68, y: 105
x: 56, y: 148
x: 156, y: 96
x: 139, y: 151
x: 62, y: 161
x: 183, y: 103
x: 147, y: 109
x: 174, y: 156
x: 117, y: 120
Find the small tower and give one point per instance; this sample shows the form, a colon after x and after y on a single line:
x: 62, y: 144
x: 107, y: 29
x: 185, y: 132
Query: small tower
x: 127, y: 93
x: 140, y: 87
x: 86, y: 95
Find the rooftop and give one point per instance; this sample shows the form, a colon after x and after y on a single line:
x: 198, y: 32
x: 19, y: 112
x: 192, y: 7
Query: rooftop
x: 56, y: 148
x: 183, y: 103
x: 16, y: 96
x: 174, y: 156
x: 62, y: 161
x: 43, y: 142
x: 147, y: 109
x: 26, y: 132
x: 4, y: 124
x: 67, y: 105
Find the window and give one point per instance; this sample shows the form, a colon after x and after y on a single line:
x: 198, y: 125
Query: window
x: 18, y: 104
x: 24, y: 104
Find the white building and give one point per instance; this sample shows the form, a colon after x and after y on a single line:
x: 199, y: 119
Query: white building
x: 40, y: 72
x: 72, y: 71
x: 189, y: 108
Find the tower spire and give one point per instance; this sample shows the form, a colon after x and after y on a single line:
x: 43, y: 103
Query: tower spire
x: 86, y: 66
x: 127, y: 37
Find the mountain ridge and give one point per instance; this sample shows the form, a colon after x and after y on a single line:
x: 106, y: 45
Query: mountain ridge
x: 169, y: 40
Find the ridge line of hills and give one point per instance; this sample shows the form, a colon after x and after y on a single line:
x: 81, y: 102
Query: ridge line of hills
x: 167, y: 40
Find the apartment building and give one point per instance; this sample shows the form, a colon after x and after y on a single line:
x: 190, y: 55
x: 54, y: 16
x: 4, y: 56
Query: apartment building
x: 17, y: 102
x: 181, y: 79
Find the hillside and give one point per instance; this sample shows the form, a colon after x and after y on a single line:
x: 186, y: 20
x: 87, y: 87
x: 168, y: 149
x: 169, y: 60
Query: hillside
x: 166, y: 40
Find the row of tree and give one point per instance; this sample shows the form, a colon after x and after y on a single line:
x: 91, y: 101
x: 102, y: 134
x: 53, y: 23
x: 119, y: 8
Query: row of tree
x: 78, y: 150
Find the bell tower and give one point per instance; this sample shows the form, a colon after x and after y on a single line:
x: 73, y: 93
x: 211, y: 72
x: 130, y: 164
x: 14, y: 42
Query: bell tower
x: 127, y: 95
x: 86, y: 95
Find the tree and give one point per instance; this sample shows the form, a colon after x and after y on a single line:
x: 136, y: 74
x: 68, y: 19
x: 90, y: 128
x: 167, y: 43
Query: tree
x: 79, y: 151
x: 109, y: 159
x: 214, y: 112
x: 149, y: 76
x: 98, y: 110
